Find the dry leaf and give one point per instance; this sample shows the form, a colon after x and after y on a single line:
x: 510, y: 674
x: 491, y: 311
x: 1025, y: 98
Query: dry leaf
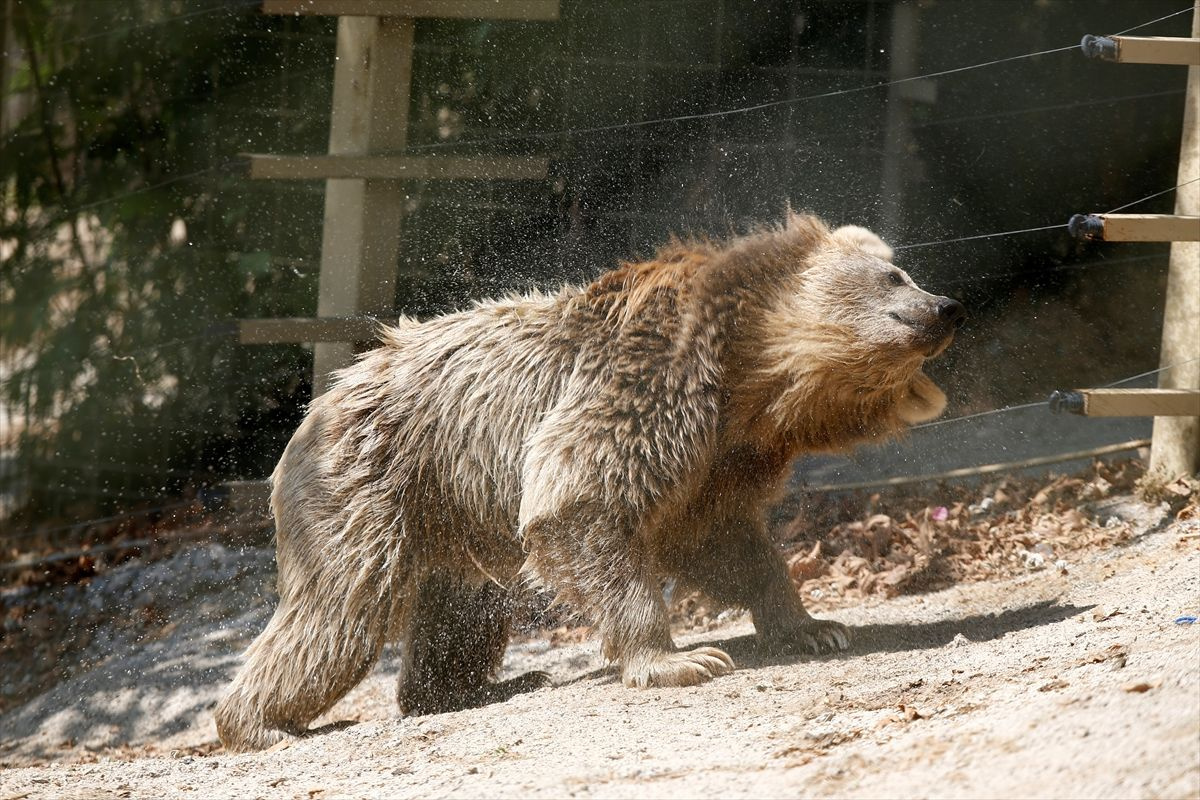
x: 1138, y: 687
x: 803, y: 567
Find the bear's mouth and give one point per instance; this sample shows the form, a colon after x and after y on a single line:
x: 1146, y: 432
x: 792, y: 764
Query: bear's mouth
x: 933, y: 339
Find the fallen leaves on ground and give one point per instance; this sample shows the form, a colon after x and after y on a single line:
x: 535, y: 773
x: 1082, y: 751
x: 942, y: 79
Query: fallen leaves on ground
x: 907, y: 542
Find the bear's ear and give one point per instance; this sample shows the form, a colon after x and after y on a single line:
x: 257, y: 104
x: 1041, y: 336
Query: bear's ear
x: 864, y: 240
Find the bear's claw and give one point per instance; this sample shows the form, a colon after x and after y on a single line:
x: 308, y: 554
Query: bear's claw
x: 813, y: 636
x: 685, y: 668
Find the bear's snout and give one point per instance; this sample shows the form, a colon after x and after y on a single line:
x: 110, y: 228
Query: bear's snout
x: 951, y: 312
x: 945, y: 317
x: 931, y: 322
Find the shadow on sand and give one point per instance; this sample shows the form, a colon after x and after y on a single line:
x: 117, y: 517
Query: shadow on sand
x: 748, y: 652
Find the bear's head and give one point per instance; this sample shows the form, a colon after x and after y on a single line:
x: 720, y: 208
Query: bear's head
x: 858, y: 286
x: 847, y: 331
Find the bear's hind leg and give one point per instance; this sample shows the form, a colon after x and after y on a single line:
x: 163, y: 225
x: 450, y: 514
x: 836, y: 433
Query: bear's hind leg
x: 318, y: 645
x: 454, y: 642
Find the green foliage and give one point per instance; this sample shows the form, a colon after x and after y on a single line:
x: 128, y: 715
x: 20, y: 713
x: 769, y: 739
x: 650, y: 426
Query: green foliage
x: 128, y: 238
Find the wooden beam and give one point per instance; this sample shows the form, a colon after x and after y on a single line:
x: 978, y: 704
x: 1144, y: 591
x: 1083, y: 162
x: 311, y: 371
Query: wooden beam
x: 360, y: 244
x: 298, y: 168
x: 1136, y: 403
x: 1176, y: 443
x: 291, y: 330
x: 529, y: 10
x: 1136, y: 227
x: 1157, y: 50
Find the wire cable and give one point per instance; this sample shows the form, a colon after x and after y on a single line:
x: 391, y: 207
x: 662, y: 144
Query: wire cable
x: 1041, y: 228
x: 1021, y: 406
x: 538, y: 135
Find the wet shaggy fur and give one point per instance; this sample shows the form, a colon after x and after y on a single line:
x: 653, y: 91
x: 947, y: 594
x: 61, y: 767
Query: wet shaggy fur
x: 595, y: 441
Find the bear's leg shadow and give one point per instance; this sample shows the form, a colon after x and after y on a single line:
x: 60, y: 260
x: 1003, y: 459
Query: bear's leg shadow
x: 595, y: 558
x: 736, y: 564
x: 323, y: 639
x: 454, y: 641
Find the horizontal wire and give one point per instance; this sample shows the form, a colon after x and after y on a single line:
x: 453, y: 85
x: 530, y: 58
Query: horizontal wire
x: 133, y: 515
x: 990, y: 412
x: 1148, y: 373
x: 152, y: 187
x: 761, y: 106
x: 725, y: 112
x: 223, y: 334
x: 1151, y: 196
x: 1041, y: 228
x: 977, y: 236
x: 1043, y: 403
x: 652, y: 122
x: 1151, y: 22
x: 687, y: 117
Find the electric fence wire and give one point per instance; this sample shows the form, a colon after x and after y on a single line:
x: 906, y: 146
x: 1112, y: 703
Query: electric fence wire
x: 224, y: 335
x: 83, y: 524
x: 660, y: 121
x: 681, y: 118
x: 1042, y: 227
x: 1043, y: 403
x: 555, y: 134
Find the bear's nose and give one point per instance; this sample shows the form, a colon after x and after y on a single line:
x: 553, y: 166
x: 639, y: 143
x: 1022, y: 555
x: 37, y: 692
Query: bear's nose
x: 951, y: 312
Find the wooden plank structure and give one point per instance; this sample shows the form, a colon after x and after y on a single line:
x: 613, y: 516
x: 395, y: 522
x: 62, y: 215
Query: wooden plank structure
x: 1175, y: 405
x: 1143, y: 49
x: 298, y: 329
x: 1136, y: 227
x: 1129, y: 402
x: 476, y: 168
x: 526, y: 10
x: 366, y: 166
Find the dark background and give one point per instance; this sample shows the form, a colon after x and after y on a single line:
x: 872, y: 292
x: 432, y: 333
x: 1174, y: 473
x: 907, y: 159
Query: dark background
x: 122, y: 120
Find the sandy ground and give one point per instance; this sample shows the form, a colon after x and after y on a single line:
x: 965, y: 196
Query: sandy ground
x: 1075, y: 683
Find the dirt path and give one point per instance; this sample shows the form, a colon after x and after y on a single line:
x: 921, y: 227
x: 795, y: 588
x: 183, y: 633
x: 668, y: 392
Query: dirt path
x: 1075, y: 684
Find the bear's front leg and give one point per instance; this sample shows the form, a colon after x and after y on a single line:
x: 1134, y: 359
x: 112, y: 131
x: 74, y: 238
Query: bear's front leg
x: 594, y: 558
x: 736, y: 564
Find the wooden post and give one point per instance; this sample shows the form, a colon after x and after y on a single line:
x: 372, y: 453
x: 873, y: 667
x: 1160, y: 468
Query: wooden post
x: 897, y: 140
x: 360, y: 249
x: 1175, y: 447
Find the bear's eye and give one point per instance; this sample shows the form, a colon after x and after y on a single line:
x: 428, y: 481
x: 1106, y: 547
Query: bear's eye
x: 896, y: 278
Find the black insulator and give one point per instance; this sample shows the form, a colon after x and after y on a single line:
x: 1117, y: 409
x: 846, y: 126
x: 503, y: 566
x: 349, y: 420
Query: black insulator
x: 1101, y: 47
x: 1066, y: 401
x: 1086, y: 226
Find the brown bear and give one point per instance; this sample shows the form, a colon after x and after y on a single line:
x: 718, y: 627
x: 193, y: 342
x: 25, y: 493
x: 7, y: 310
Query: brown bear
x: 594, y: 440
